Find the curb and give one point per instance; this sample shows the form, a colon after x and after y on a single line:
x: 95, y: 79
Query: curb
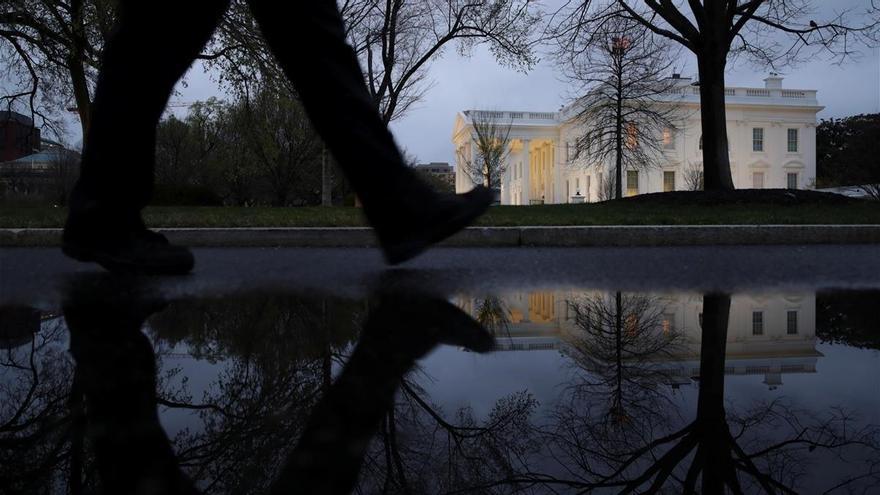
x: 578, y: 236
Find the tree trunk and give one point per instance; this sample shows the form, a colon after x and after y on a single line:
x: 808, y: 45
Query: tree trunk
x: 716, y: 159
x: 618, y: 165
x: 710, y: 404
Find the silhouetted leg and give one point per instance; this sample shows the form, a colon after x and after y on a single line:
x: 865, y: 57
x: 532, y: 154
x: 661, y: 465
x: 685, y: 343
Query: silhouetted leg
x: 308, y: 40
x: 155, y: 43
x: 116, y: 372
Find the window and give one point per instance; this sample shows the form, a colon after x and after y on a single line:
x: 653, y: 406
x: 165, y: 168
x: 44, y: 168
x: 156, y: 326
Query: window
x: 668, y: 138
x: 577, y: 186
x: 668, y: 323
x: 632, y: 182
x: 791, y: 323
x: 668, y: 181
x: 792, y: 140
x: 632, y: 134
x: 701, y: 142
x: 758, y: 180
x: 757, y: 323
x: 631, y: 325
x: 567, y: 196
x: 792, y: 180
x: 701, y: 320
x: 758, y: 139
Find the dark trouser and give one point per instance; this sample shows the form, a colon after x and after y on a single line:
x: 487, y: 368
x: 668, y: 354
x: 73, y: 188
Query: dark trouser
x: 155, y: 44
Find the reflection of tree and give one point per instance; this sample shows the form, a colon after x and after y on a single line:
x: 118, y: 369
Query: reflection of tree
x: 276, y: 353
x: 619, y: 343
x: 422, y: 449
x: 252, y: 421
x: 765, y: 450
x: 36, y: 418
x: 849, y: 317
x: 493, y: 314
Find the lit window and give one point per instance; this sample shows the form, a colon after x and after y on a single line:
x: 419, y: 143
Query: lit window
x: 792, y: 180
x: 632, y: 182
x: 758, y: 180
x: 757, y: 323
x: 668, y: 138
x: 758, y: 139
x: 631, y: 326
x: 792, y: 323
x: 668, y: 323
x: 792, y: 140
x: 668, y: 181
x: 632, y: 135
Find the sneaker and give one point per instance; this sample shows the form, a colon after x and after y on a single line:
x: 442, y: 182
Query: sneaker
x: 449, y: 214
x: 140, y: 251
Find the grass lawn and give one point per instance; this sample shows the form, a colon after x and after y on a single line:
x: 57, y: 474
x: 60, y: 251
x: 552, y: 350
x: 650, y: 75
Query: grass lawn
x: 744, y: 208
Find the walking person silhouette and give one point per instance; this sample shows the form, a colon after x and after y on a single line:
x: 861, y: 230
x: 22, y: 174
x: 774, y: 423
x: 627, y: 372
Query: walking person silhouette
x: 154, y: 44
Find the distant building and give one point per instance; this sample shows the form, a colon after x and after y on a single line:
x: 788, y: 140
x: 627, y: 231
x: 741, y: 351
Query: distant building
x: 442, y: 170
x: 771, y: 131
x: 47, y: 174
x: 18, y: 136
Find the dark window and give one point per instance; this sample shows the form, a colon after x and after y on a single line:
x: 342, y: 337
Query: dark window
x: 792, y: 323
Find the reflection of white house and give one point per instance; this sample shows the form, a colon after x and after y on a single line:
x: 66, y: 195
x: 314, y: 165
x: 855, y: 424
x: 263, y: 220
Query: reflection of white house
x: 772, y: 134
x: 768, y: 334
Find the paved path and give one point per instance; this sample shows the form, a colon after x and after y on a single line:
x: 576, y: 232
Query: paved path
x: 35, y: 276
x: 577, y: 236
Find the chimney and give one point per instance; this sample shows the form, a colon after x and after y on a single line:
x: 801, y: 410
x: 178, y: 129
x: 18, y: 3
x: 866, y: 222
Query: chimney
x: 774, y: 81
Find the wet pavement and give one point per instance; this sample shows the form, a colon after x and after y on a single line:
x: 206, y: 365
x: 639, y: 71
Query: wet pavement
x: 702, y: 370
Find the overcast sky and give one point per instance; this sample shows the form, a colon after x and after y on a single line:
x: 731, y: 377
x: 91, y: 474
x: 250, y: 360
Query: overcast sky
x: 478, y: 82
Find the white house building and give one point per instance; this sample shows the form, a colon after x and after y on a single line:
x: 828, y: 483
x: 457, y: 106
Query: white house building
x: 768, y: 334
x: 771, y: 133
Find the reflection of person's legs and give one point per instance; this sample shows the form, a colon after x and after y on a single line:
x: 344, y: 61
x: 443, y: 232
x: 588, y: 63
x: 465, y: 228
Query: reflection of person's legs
x: 154, y: 44
x: 308, y: 40
x: 116, y: 370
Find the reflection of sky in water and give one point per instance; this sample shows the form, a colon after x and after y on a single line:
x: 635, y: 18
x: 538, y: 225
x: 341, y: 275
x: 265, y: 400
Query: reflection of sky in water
x: 845, y: 376
x: 453, y: 378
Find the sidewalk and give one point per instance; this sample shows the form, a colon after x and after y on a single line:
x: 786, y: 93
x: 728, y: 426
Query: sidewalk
x: 624, y: 235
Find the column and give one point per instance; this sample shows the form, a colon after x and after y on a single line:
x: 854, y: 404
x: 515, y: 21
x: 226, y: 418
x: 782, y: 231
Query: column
x: 526, y: 172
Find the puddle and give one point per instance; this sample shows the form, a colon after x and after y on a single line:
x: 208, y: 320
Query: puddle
x: 537, y: 390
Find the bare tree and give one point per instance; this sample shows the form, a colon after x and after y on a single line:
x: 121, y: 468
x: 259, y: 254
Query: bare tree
x: 51, y: 50
x: 61, y: 174
x: 769, y: 32
x: 491, y: 139
x: 283, y: 143
x: 607, y: 187
x: 693, y: 177
x: 628, y: 111
x: 396, y: 41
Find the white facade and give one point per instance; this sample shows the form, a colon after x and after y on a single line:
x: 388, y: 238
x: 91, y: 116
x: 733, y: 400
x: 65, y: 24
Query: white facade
x: 771, y: 133
x: 768, y: 334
